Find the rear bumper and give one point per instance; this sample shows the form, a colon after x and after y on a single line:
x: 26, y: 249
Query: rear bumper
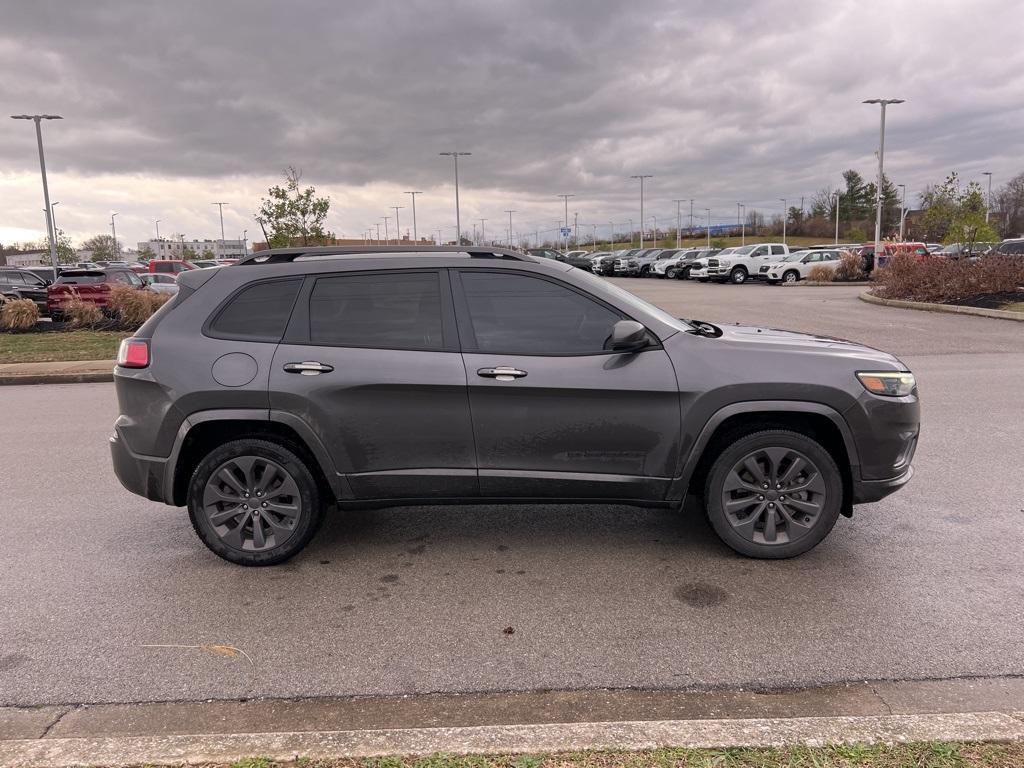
x: 867, y: 491
x: 142, y: 475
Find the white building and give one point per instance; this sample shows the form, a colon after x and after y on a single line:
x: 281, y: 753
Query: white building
x: 166, y: 248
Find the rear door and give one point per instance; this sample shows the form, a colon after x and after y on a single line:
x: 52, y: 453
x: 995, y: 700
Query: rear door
x: 370, y: 362
x: 555, y: 413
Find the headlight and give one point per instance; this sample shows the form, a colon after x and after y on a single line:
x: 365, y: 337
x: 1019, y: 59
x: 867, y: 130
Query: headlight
x: 888, y: 383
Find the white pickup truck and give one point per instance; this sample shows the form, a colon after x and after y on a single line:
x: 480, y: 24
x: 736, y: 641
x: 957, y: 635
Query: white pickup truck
x: 745, y: 262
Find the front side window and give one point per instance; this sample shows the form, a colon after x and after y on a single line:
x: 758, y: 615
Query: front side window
x: 394, y: 310
x: 762, y: 251
x: 258, y: 312
x: 522, y: 315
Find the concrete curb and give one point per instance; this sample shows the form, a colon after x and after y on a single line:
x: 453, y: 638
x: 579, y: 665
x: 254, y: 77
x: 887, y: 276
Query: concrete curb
x: 504, y: 739
x: 72, y: 372
x: 809, y: 284
x: 1000, y: 314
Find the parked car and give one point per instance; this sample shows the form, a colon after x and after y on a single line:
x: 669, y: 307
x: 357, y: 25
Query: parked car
x: 90, y: 285
x: 1012, y: 247
x: 605, y: 265
x: 636, y: 264
x: 579, y: 259
x: 545, y: 253
x: 798, y: 265
x: 964, y: 250
x: 43, y: 273
x: 160, y: 282
x: 570, y: 254
x: 933, y: 247
x: 22, y: 284
x: 699, y: 266
x: 171, y: 266
x: 745, y: 262
x: 226, y: 262
x: 663, y: 267
x: 205, y: 263
x: 348, y: 387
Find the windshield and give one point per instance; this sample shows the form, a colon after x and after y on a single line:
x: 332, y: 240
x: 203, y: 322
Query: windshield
x: 634, y: 301
x: 794, y: 256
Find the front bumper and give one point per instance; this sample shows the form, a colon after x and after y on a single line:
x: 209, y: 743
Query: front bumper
x: 867, y: 491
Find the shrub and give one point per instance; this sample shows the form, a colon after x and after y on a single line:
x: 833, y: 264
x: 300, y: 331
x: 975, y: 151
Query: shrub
x: 849, y: 267
x: 81, y: 314
x: 19, y: 315
x: 947, y: 281
x: 821, y: 274
x: 131, y: 306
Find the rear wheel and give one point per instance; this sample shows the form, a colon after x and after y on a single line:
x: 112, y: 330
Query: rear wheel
x: 254, y: 502
x: 791, y: 276
x: 773, y: 494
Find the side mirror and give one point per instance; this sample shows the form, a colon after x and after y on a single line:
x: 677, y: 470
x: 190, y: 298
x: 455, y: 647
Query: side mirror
x: 628, y: 336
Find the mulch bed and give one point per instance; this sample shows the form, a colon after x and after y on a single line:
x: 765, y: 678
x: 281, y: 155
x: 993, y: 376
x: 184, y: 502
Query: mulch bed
x: 992, y: 300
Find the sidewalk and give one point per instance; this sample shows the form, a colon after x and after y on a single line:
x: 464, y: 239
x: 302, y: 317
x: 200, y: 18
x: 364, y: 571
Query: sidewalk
x: 57, y: 373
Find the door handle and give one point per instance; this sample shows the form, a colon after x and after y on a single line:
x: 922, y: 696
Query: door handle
x: 308, y: 368
x: 501, y: 373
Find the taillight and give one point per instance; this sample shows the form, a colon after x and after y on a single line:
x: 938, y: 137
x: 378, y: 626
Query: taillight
x: 133, y: 353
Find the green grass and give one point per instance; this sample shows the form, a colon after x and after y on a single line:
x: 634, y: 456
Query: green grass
x: 59, y: 346
x: 922, y: 755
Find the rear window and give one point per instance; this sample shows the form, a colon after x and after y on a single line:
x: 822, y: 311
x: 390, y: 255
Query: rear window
x: 258, y: 312
x: 397, y: 310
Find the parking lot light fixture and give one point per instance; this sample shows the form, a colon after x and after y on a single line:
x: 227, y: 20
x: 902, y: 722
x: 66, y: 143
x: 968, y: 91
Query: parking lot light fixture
x: 51, y: 231
x: 415, y: 234
x: 387, y: 236
x: 679, y: 221
x: 708, y: 211
x: 611, y: 235
x: 630, y: 233
x: 785, y: 215
x: 113, y: 229
x: 458, y: 221
x: 565, y: 237
x: 988, y: 199
x: 691, y: 215
x: 509, y: 227
x: 903, y: 207
x: 881, y: 159
x: 743, y: 222
x: 641, y: 177
x: 398, y: 229
x: 837, y: 195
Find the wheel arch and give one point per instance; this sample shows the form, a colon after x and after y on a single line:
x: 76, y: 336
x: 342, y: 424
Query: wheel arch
x: 202, y: 432
x: 815, y: 420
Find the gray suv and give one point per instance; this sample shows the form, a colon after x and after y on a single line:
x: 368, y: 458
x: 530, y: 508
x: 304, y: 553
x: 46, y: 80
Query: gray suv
x: 300, y: 379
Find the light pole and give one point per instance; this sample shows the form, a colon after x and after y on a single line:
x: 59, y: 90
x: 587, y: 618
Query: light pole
x: 838, y: 194
x: 378, y: 233
x: 157, y: 222
x: 483, y: 231
x: 691, y: 215
x: 439, y: 236
x: 220, y: 206
x: 475, y: 242
x: 593, y: 235
x: 565, y: 237
x: 903, y: 207
x: 654, y: 234
x: 398, y: 229
x: 881, y: 157
x: 611, y: 235
x: 679, y: 221
x: 50, y: 231
x: 53, y: 218
x: 509, y: 227
x: 113, y: 229
x: 576, y: 229
x: 743, y: 222
x: 458, y: 220
x: 988, y: 200
x: 708, y: 210
x: 415, y: 235
x: 387, y: 237
x: 641, y: 177
x: 630, y: 233
x: 245, y: 243
x: 785, y: 215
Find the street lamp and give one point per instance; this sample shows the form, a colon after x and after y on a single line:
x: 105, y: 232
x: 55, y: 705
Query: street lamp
x: 53, y: 218
x: 611, y: 235
x: 691, y: 215
x: 988, y: 200
x: 743, y: 222
x: 903, y: 207
x: 50, y: 230
x: 838, y: 194
x: 220, y: 207
x: 565, y: 237
x: 708, y: 210
x: 641, y: 177
x: 458, y: 220
x: 483, y: 231
x: 881, y: 155
x: 785, y: 215
x: 678, y: 220
x: 113, y: 229
x: 387, y: 237
x: 398, y: 229
x: 415, y: 235
x: 509, y: 227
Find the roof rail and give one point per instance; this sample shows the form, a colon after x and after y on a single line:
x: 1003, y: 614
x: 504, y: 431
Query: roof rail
x: 285, y: 255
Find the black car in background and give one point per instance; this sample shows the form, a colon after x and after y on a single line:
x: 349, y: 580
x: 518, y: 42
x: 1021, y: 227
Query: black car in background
x: 22, y: 284
x: 605, y: 264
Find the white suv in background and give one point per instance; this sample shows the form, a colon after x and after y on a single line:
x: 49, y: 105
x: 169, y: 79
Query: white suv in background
x: 798, y: 265
x: 744, y: 262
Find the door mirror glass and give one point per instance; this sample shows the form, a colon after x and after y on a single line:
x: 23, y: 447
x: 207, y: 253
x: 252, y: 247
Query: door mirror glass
x: 628, y: 336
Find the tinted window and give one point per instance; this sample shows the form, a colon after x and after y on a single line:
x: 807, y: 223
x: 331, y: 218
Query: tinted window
x: 258, y: 312
x: 13, y: 278
x: 778, y: 249
x: 521, y: 315
x: 397, y: 310
x: 82, y: 278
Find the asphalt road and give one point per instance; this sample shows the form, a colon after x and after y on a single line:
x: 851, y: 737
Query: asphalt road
x: 105, y: 597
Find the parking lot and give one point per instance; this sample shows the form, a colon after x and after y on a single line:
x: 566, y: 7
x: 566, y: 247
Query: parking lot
x: 107, y: 597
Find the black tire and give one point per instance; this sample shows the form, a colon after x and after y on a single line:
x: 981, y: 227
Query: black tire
x: 794, y: 530
x: 645, y: 271
x: 684, y: 273
x: 791, y: 276
x: 738, y: 276
x: 296, y: 531
x: 671, y: 273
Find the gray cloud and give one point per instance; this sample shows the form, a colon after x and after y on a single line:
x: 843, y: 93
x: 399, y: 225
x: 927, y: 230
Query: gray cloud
x: 722, y: 101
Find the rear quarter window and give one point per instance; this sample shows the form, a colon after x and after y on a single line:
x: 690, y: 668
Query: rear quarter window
x: 257, y: 312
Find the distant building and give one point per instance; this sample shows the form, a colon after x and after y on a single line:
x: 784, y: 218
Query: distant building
x: 13, y: 258
x: 165, y: 248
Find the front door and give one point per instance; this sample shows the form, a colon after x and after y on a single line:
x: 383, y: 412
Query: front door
x: 555, y: 413
x: 370, y: 361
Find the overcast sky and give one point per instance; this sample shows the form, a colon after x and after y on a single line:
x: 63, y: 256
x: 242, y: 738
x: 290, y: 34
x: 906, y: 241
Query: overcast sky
x: 169, y: 106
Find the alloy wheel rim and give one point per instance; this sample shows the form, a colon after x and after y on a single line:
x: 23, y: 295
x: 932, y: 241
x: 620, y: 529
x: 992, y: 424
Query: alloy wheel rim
x: 790, y: 277
x: 252, y: 503
x: 774, y: 496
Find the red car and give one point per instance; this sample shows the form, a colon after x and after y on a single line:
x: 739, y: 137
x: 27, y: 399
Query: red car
x: 170, y: 266
x: 90, y: 285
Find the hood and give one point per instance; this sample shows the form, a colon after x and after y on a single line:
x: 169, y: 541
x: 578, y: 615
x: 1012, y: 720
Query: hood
x: 792, y: 341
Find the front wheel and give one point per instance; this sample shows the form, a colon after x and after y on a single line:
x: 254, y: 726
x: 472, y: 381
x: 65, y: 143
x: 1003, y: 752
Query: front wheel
x: 791, y: 276
x: 738, y: 276
x: 254, y: 502
x: 773, y: 494
x: 671, y: 273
